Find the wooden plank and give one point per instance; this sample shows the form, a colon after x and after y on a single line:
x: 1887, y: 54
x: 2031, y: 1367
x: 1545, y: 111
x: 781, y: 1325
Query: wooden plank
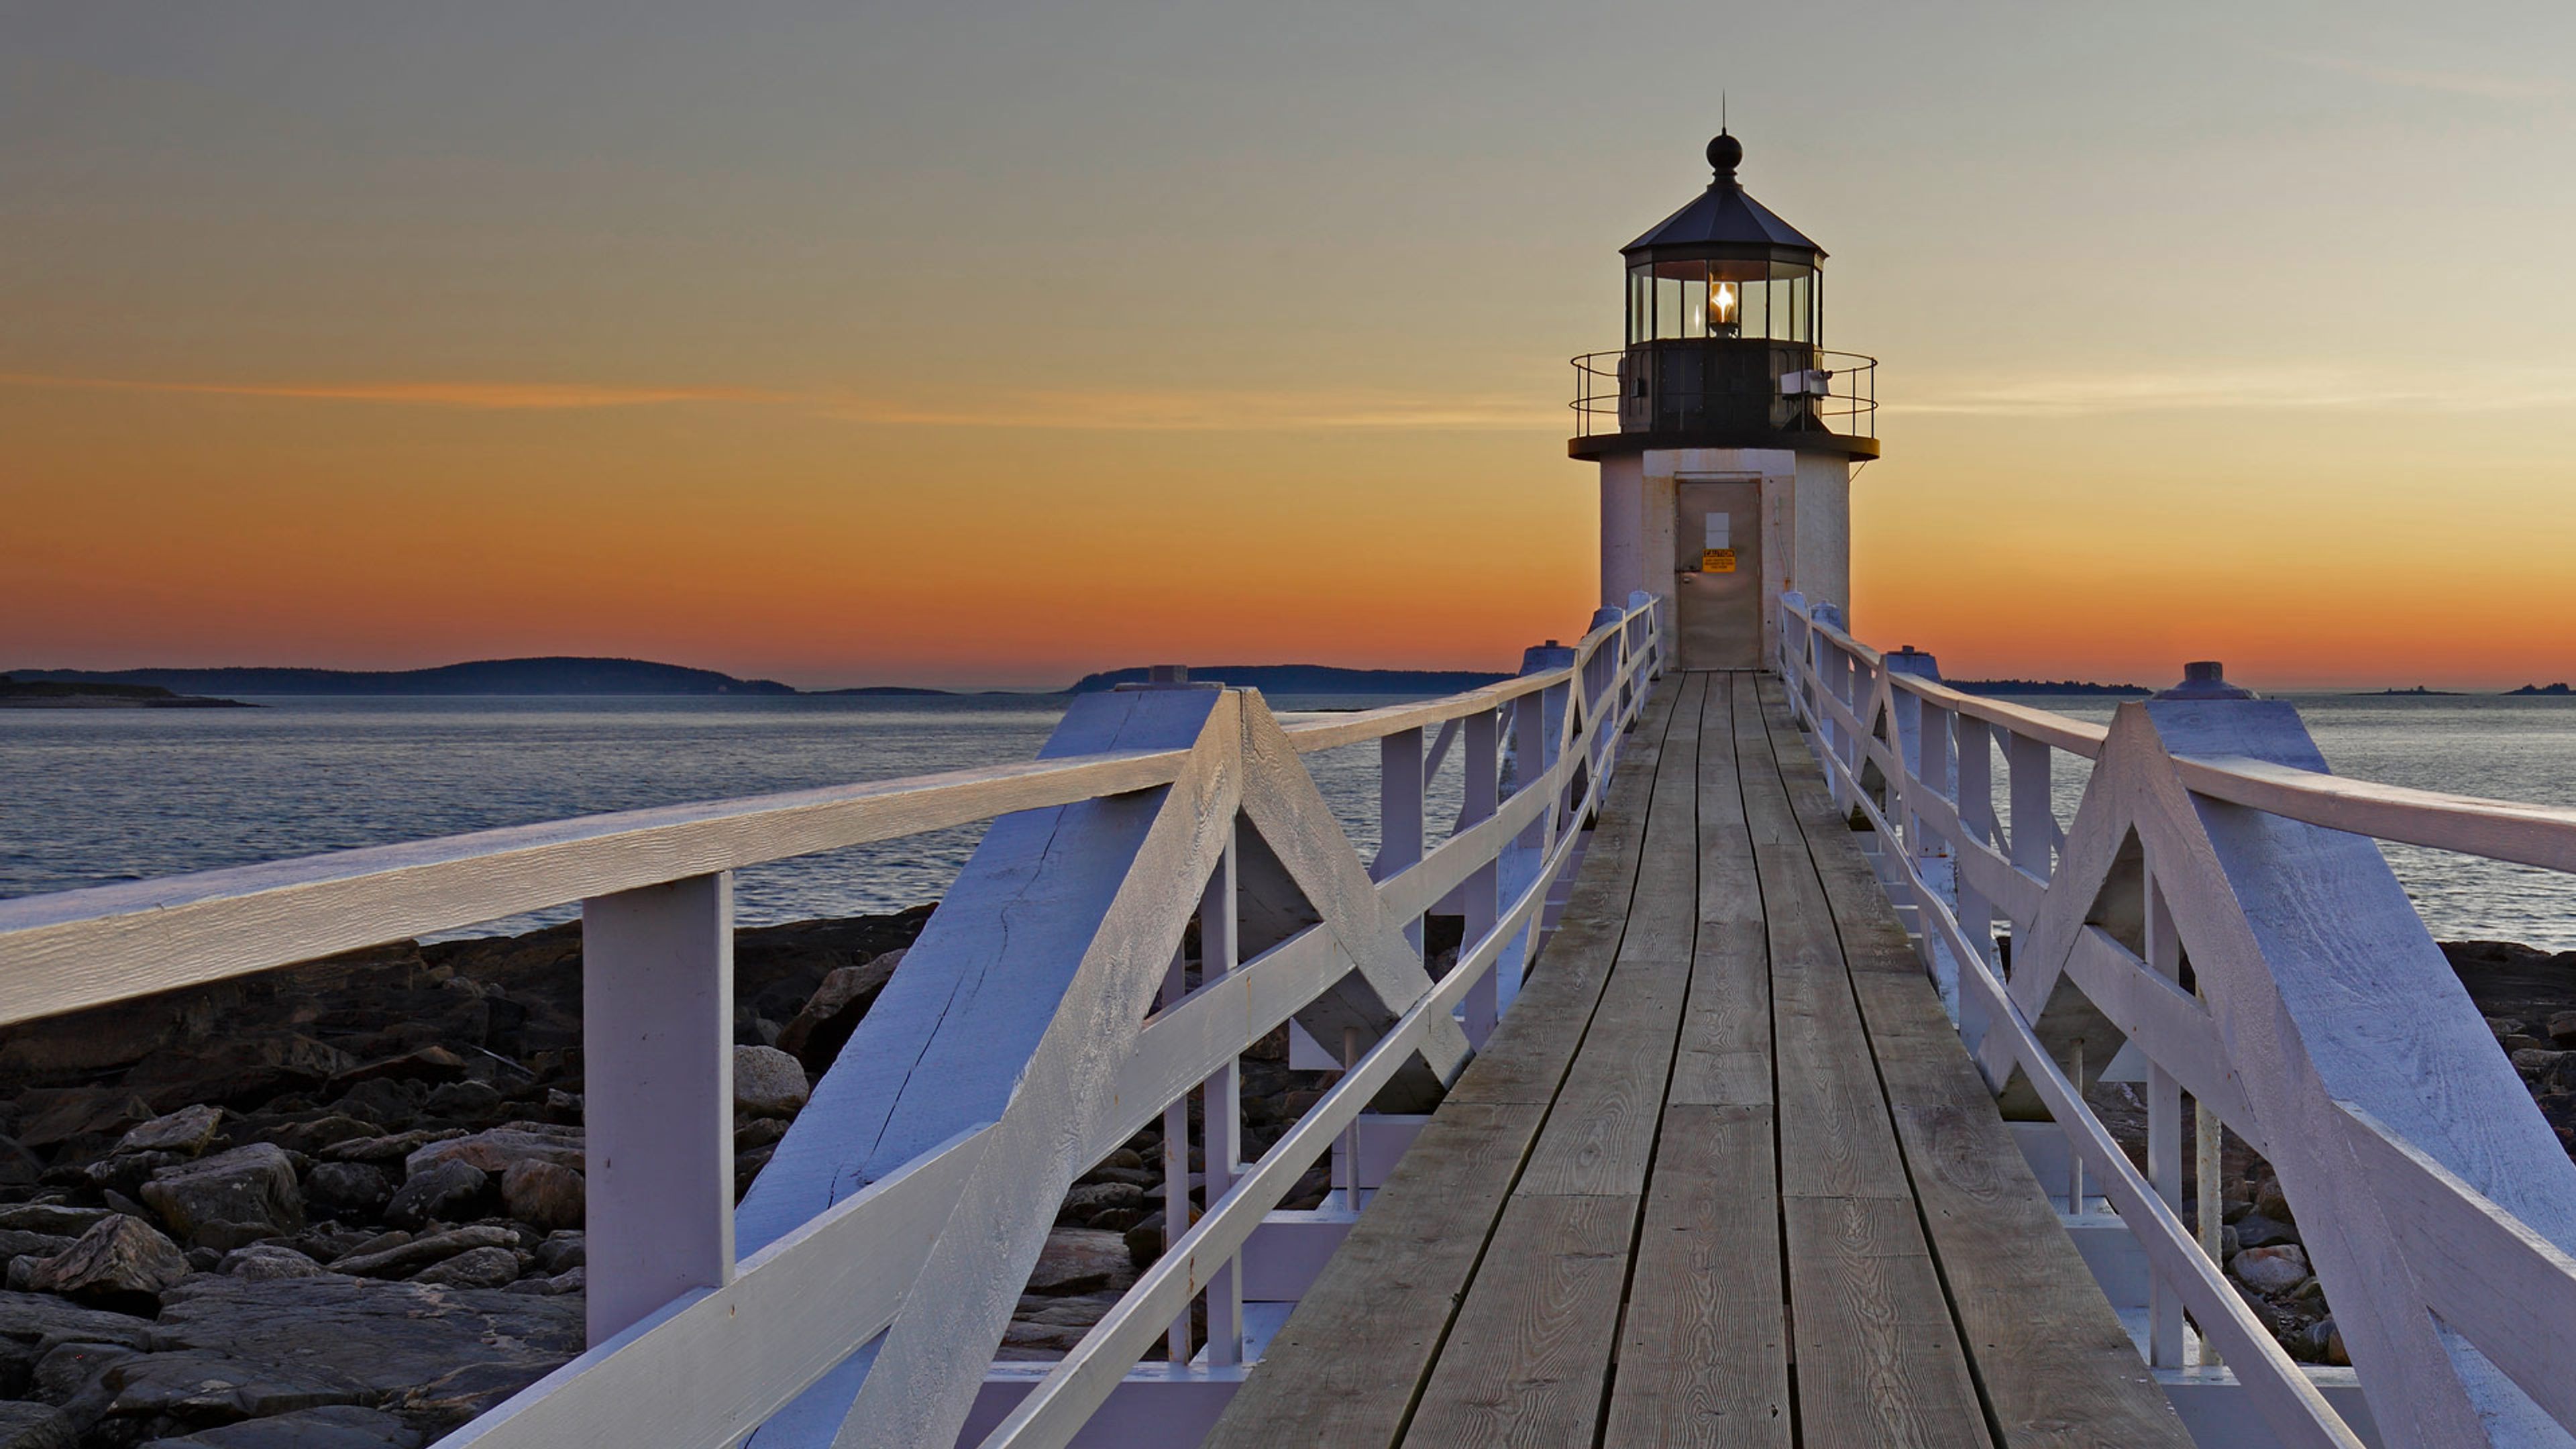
x: 1528, y: 1360
x: 1724, y: 1054
x: 1704, y: 1354
x: 1347, y: 1366
x: 1601, y: 1134
x: 1878, y: 1360
x: 2053, y: 1363
x: 1833, y: 1121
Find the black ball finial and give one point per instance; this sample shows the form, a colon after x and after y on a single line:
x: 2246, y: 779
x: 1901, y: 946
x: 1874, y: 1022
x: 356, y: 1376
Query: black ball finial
x: 1724, y: 152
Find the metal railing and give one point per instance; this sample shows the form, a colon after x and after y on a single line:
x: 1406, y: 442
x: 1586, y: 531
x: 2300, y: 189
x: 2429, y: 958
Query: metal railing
x: 2218, y: 902
x: 1041, y: 1019
x: 1810, y: 390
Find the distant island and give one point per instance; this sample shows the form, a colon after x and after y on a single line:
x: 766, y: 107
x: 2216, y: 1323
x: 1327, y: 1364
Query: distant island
x: 16, y: 693
x: 1309, y: 679
x: 2420, y: 690
x: 2559, y: 688
x: 486, y: 676
x: 2046, y: 686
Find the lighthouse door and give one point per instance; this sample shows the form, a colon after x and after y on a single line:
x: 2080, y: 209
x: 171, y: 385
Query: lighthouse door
x: 1717, y: 574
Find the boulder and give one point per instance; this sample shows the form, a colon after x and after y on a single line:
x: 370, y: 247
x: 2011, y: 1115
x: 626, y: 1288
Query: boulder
x: 335, y: 1426
x: 446, y: 1190
x: 46, y: 1217
x: 397, y: 1260
x: 465, y: 1101
x: 230, y: 1199
x: 2256, y: 1230
x: 389, y: 1149
x: 1082, y: 1260
x: 42, y: 1245
x: 35, y: 1321
x: 817, y: 1033
x: 571, y: 1280
x: 2272, y: 1202
x: 244, y: 1070
x: 544, y: 1195
x: 495, y: 1150
x: 207, y: 1386
x: 18, y: 1166
x: 406, y: 1344
x: 188, y: 1132
x: 2271, y: 1270
x: 768, y: 1082
x: 59, y: 1114
x: 68, y: 1368
x: 350, y: 1186
x: 561, y: 1251
x: 268, y: 1260
x: 2562, y: 1028
x: 35, y: 1426
x: 310, y: 1137
x: 122, y: 1264
x: 474, y: 1268
x: 1085, y: 1201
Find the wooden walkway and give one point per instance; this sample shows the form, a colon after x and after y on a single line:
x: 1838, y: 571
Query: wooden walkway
x: 1723, y: 1176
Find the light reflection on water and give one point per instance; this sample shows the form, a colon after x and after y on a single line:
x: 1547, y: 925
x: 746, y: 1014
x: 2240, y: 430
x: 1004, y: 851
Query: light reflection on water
x: 93, y: 796
x: 88, y: 797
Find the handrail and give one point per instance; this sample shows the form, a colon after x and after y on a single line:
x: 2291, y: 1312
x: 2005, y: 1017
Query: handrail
x: 1602, y: 398
x: 2432, y: 1191
x: 691, y: 1346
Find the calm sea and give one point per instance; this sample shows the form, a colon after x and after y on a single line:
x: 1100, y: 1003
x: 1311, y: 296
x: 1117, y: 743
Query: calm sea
x: 88, y: 797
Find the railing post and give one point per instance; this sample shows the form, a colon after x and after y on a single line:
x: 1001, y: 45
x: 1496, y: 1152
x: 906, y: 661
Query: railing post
x: 657, y: 1089
x: 2164, y: 1133
x: 1399, y: 814
x: 2033, y: 826
x: 1221, y: 1102
x: 1478, y: 897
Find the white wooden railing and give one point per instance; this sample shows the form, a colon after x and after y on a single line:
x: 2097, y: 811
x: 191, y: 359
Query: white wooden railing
x: 2218, y: 901
x: 857, y: 1294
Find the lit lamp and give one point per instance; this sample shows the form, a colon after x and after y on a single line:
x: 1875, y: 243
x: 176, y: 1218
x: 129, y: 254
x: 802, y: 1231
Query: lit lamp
x: 1721, y: 310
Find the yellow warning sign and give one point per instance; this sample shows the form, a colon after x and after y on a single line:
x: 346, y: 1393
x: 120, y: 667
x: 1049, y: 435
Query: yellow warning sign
x: 1717, y: 561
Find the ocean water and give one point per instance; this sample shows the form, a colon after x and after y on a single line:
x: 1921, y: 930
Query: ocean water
x: 89, y: 797
x: 93, y: 796
x: 2499, y: 747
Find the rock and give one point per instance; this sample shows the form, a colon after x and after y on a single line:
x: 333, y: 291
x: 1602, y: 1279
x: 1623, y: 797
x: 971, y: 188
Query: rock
x: 42, y: 1245
x: 2536, y: 1063
x: 68, y: 1368
x: 396, y: 1260
x: 57, y: 1115
x: 122, y: 1264
x: 1145, y: 1242
x: 562, y: 1250
x: 1086, y: 1201
x: 1082, y: 1260
x: 468, y: 1101
x: 188, y: 1132
x: 2562, y: 1028
x: 391, y: 1148
x: 817, y: 1033
x: 571, y: 1280
x: 230, y: 1199
x: 242, y: 1070
x: 46, y: 1217
x: 124, y: 1173
x: 392, y: 1338
x: 18, y: 1166
x: 309, y: 1138
x: 2273, y: 1203
x: 206, y: 1385
x: 494, y: 1267
x: 759, y: 1132
x: 348, y: 1186
x: 443, y: 1190
x: 2271, y: 1270
x: 335, y: 1426
x: 494, y: 1151
x: 35, y: 1320
x: 268, y: 1260
x: 1036, y: 1342
x: 1125, y: 1158
x: 544, y: 1195
x: 2256, y: 1230
x: 35, y: 1426
x: 768, y: 1082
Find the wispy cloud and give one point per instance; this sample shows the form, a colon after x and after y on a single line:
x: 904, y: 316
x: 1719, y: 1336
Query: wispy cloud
x: 2272, y: 389
x: 1213, y: 410
x: 493, y: 396
x: 2451, y: 82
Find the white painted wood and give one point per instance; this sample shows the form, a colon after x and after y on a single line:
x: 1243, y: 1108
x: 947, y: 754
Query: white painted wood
x: 1478, y: 894
x: 1221, y: 1100
x: 657, y: 1062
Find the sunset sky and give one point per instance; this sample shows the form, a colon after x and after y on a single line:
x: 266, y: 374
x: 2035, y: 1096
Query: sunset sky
x: 964, y: 343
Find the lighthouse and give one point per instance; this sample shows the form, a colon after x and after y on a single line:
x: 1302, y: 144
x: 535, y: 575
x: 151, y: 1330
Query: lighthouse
x: 1726, y: 434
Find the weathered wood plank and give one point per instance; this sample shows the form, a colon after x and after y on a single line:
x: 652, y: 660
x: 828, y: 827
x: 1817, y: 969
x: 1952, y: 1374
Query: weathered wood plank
x: 1878, y: 1360
x: 1724, y: 1055
x: 1704, y: 1355
x: 1528, y: 1360
x: 1346, y: 1368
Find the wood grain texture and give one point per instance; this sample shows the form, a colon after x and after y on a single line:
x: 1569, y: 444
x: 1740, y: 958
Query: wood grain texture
x: 1528, y: 1359
x: 1878, y: 1359
x: 1704, y: 1354
x: 1347, y: 1367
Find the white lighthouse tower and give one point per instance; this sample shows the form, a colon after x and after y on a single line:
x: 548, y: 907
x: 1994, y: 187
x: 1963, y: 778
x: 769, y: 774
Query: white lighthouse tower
x: 1725, y: 432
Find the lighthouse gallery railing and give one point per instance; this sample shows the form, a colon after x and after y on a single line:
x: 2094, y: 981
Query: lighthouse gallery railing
x: 920, y: 1262
x: 2218, y: 901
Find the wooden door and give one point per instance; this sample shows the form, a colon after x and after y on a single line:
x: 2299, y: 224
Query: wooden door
x: 1717, y: 574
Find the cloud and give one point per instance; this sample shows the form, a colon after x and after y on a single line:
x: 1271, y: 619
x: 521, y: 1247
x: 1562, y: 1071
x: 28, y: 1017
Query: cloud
x: 1209, y: 411
x: 2449, y: 82
x: 2272, y: 389
x: 489, y: 396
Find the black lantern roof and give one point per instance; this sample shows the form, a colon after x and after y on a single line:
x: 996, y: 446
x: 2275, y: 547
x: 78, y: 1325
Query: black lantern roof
x: 1724, y: 222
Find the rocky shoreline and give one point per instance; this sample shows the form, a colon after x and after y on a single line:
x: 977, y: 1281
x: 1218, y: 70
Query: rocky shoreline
x: 339, y: 1206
